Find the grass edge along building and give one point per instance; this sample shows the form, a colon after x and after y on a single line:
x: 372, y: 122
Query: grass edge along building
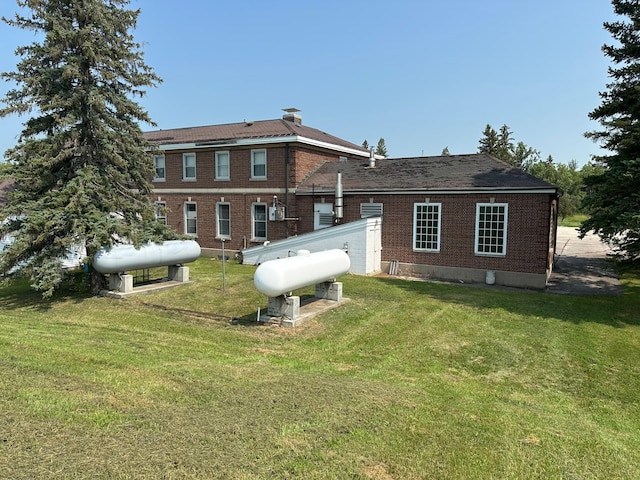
x: 455, y: 217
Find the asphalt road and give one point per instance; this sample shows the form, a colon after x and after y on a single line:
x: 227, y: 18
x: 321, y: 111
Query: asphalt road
x: 581, y: 267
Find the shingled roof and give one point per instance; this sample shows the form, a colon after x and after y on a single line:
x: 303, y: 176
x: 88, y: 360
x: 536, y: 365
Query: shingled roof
x: 258, y: 130
x: 443, y: 173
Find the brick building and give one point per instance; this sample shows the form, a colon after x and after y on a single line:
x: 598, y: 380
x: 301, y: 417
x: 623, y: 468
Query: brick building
x: 218, y: 182
x: 458, y: 217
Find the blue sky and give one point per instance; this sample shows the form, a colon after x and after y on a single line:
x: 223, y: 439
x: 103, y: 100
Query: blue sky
x: 422, y: 74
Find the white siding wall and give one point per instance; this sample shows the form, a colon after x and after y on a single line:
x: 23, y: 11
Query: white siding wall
x: 361, y: 239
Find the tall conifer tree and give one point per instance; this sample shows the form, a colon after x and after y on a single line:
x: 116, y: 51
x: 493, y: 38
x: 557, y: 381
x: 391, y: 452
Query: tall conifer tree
x: 613, y: 197
x: 381, y: 148
x: 80, y: 166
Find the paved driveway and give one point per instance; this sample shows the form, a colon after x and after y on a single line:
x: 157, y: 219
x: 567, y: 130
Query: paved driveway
x: 581, y: 267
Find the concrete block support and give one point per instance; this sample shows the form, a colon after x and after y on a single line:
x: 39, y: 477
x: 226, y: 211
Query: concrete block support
x: 329, y: 291
x: 282, y: 306
x: 121, y: 283
x: 178, y: 273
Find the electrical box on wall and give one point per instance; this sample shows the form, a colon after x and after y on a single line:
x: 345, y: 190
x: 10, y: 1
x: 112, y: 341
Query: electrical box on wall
x: 277, y: 214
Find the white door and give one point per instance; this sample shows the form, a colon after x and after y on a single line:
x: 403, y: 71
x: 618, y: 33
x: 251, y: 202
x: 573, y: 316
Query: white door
x: 374, y: 246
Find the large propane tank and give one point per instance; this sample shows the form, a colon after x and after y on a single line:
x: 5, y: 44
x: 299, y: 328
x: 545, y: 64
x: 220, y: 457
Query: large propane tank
x: 283, y: 275
x: 122, y: 258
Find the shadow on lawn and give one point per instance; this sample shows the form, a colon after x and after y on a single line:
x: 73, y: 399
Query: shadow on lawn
x: 17, y: 294
x: 617, y: 311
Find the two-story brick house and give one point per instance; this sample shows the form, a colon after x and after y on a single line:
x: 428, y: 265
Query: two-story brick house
x: 217, y: 182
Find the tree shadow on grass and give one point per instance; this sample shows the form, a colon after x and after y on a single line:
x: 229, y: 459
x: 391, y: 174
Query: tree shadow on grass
x: 16, y: 294
x: 617, y: 311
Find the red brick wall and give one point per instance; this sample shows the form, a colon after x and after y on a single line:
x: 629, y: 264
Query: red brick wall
x: 302, y: 160
x: 241, y: 227
x: 527, y: 229
x: 240, y: 168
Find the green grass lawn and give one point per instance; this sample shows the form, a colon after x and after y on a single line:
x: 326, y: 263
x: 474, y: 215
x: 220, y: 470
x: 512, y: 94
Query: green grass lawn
x: 408, y: 380
x: 572, y: 220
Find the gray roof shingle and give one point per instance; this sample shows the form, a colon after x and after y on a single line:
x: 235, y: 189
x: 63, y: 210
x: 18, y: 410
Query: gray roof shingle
x: 452, y: 172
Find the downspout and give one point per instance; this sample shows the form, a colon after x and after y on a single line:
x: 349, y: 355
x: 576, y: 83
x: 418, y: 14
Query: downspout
x: 286, y: 186
x: 286, y: 175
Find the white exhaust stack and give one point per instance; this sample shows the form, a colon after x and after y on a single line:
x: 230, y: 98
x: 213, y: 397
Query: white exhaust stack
x: 338, y: 206
x: 372, y: 159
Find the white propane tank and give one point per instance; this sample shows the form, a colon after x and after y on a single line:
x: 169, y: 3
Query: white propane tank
x: 122, y: 258
x: 283, y: 275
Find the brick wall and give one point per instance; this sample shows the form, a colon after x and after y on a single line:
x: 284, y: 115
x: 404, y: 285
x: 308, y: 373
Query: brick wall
x: 240, y: 168
x: 527, y: 229
x: 302, y: 160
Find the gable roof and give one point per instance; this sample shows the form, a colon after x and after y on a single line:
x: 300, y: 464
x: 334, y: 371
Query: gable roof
x: 250, y: 133
x: 451, y: 173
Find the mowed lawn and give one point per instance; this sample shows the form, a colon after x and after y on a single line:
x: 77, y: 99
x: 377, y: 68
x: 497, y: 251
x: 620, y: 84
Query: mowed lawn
x: 408, y: 380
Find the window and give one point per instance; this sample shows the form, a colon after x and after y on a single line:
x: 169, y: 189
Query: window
x: 259, y: 217
x: 160, y: 210
x: 222, y: 166
x: 426, y: 227
x: 370, y: 210
x: 491, y: 229
x: 223, y: 215
x: 259, y: 164
x: 190, y: 218
x: 158, y: 168
x: 188, y: 166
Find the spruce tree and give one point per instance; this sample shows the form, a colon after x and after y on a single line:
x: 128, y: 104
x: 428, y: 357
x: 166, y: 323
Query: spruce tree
x: 381, y: 148
x: 489, y: 142
x: 613, y: 196
x: 504, y: 147
x: 81, y: 165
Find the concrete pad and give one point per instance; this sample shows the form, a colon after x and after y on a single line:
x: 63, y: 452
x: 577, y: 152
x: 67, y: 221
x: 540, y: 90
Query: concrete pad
x: 151, y: 287
x: 308, y: 309
x: 581, y: 267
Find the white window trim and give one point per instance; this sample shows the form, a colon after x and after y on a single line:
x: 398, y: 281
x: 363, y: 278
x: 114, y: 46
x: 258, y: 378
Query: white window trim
x: 218, y: 154
x: 218, y: 234
x: 155, y: 170
x: 160, y: 211
x: 504, y: 237
x: 186, y: 232
x: 253, y: 221
x: 415, y: 220
x: 184, y: 167
x: 253, y: 164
